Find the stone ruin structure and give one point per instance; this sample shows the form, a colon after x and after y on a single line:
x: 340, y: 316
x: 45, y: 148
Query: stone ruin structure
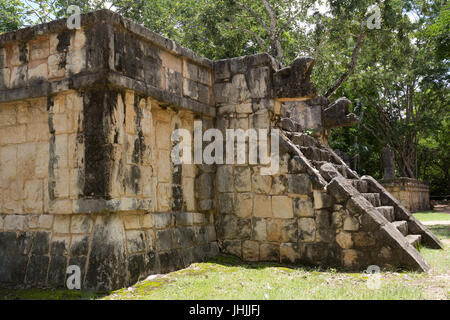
x: 86, y: 177
x: 413, y: 194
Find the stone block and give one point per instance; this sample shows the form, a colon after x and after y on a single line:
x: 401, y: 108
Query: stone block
x: 269, y: 252
x: 164, y: 194
x: 135, y: 241
x: 351, y: 224
x: 322, y: 200
x: 45, y: 221
x: 250, y: 250
x: 14, y: 222
x: 242, y: 179
x: 8, y: 167
x: 76, y: 61
x: 39, y: 49
x: 259, y: 82
x: 344, y: 240
x: 259, y: 226
x: 59, y: 245
x: 79, y: 246
x: 350, y: 258
x: 233, y: 247
x: 226, y: 203
x: 204, y: 186
x: 273, y: 230
x: 303, y: 207
x: 162, y: 220
x: 282, y: 207
x: 262, y: 206
x: 18, y: 76
x: 244, y: 205
x: 61, y: 224
x: 12, y: 135
x: 81, y: 224
x: 279, y: 184
x: 60, y: 206
x: 299, y: 184
x: 148, y: 220
x: 289, y: 231
x: 190, y: 89
x: 245, y: 108
x: 38, y: 72
x: 55, y: 63
x: 5, y: 75
x: 225, y: 179
x: 261, y: 184
x: 8, y: 115
x: 205, y: 205
x: 289, y: 253
x: 34, y: 196
x: 306, y: 229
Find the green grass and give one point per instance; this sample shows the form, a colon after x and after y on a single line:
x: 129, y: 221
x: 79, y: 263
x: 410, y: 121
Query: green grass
x: 432, y: 216
x: 40, y: 294
x: 226, y: 277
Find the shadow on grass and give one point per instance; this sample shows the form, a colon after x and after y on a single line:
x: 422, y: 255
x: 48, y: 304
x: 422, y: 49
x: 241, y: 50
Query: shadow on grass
x: 441, y: 231
x: 233, y: 261
x: 47, y: 294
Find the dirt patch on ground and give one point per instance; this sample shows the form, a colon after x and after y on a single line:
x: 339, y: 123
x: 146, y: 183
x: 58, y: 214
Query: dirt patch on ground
x: 441, y: 206
x: 436, y: 222
x: 436, y: 287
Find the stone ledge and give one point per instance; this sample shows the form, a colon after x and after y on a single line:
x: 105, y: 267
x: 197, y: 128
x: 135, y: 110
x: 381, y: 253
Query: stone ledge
x: 110, y: 206
x: 105, y: 17
x: 104, y: 78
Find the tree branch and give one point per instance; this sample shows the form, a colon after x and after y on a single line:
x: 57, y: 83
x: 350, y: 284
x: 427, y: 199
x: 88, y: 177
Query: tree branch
x: 352, y: 65
x: 254, y: 14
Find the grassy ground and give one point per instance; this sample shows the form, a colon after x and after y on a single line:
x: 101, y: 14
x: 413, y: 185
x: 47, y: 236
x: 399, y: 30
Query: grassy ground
x: 432, y: 216
x: 226, y: 277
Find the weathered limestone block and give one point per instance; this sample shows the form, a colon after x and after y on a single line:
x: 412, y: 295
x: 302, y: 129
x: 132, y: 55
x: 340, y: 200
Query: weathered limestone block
x: 282, y: 207
x: 307, y: 229
x: 261, y: 184
x: 262, y: 206
x: 299, y: 184
x: 303, y: 207
x: 244, y: 205
x: 289, y: 253
x: 269, y: 252
x: 322, y: 200
x: 336, y: 114
x: 225, y: 179
x: 344, y: 239
x: 250, y: 250
x: 293, y: 83
x: 242, y: 179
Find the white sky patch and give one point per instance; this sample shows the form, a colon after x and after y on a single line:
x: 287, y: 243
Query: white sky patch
x: 412, y: 16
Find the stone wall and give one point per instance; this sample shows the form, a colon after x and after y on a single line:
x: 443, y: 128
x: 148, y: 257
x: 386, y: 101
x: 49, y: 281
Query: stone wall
x: 86, y: 118
x: 112, y: 250
x: 413, y: 194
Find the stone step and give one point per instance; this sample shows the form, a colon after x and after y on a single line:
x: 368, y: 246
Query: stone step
x: 316, y: 154
x: 304, y: 140
x: 360, y: 185
x: 387, y: 212
x: 414, y: 239
x: 340, y: 168
x: 402, y: 226
x: 373, y: 198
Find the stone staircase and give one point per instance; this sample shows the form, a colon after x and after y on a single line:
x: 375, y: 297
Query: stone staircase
x: 329, y: 165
